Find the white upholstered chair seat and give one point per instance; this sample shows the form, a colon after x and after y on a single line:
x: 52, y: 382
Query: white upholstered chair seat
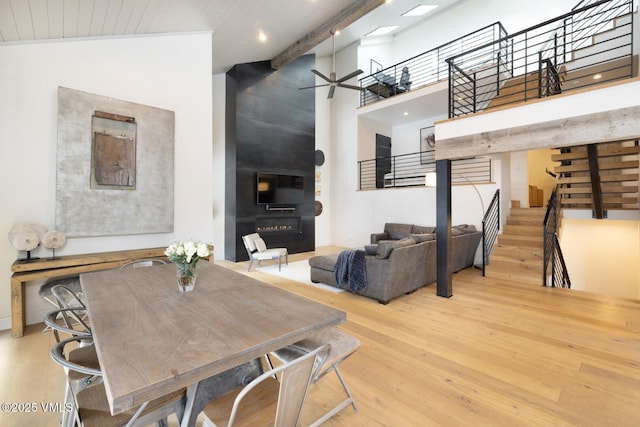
x: 257, y: 250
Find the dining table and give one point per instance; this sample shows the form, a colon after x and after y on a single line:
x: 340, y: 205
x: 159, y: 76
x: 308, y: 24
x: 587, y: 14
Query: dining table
x: 152, y: 339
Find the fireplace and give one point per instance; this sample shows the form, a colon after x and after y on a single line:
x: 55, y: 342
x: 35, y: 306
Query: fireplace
x: 289, y: 225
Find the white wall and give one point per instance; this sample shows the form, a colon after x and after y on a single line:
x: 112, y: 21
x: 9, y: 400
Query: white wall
x: 602, y: 256
x: 323, y: 142
x: 471, y: 15
x: 172, y: 72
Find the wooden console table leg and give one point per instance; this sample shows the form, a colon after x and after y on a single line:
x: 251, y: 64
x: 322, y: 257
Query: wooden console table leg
x: 17, y: 308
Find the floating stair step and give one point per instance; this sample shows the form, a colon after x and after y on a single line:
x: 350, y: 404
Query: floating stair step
x: 581, y: 153
x: 605, y: 200
x: 605, y: 187
x: 584, y: 167
x: 583, y: 179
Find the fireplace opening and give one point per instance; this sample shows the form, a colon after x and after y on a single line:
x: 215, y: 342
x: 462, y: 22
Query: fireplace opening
x: 278, y: 225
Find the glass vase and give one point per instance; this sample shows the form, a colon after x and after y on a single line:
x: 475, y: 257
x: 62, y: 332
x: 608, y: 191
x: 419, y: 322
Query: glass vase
x: 186, y: 275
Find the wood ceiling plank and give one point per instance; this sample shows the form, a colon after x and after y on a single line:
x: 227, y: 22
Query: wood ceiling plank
x: 70, y: 18
x: 124, y: 17
x: 39, y: 18
x: 56, y: 18
x: 111, y: 17
x: 347, y: 16
x: 24, y: 23
x: 97, y: 18
x: 85, y: 12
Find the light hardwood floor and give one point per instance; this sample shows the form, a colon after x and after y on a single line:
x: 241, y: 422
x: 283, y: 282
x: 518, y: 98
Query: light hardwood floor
x: 496, y: 353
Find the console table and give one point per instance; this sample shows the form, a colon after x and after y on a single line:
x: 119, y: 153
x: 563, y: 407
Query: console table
x: 22, y: 272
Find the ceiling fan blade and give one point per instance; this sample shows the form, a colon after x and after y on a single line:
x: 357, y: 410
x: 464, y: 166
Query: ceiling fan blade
x: 319, y: 74
x: 313, y: 87
x: 351, y: 75
x: 331, y: 90
x: 350, y: 86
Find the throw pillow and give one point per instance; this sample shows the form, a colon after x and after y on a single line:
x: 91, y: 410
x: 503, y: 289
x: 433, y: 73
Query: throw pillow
x: 419, y: 238
x: 385, y: 248
x: 260, y: 245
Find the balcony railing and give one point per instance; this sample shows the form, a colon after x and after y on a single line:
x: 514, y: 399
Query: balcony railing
x: 590, y: 45
x: 424, y: 69
x: 409, y: 170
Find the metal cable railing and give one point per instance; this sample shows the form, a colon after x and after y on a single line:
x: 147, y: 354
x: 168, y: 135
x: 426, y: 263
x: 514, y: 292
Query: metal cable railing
x: 566, y: 53
x: 559, y: 272
x: 423, y: 69
x: 552, y: 253
x: 490, y: 229
x: 408, y: 170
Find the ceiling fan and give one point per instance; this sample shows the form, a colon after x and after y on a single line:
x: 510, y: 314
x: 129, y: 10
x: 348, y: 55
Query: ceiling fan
x: 332, y: 82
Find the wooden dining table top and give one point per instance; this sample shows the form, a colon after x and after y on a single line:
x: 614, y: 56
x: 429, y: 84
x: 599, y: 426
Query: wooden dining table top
x: 152, y: 339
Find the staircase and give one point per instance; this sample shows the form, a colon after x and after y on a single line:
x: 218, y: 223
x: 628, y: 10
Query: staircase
x: 615, y: 168
x: 518, y: 254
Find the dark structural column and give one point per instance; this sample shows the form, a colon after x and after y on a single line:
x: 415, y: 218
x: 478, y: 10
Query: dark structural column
x: 443, y: 228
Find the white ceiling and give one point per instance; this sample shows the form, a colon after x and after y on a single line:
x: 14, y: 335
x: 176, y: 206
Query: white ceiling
x: 234, y: 23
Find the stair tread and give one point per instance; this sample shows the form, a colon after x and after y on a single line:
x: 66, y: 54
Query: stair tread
x: 581, y: 153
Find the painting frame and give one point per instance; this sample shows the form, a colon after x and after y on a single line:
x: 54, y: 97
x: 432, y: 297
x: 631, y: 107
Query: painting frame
x: 427, y: 145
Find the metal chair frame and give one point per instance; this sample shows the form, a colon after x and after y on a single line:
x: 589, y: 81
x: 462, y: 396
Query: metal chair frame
x: 93, y: 378
x: 337, y: 341
x: 295, y: 378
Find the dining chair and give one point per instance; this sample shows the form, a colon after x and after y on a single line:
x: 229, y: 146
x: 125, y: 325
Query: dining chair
x: 71, y: 321
x: 257, y: 250
x: 91, y: 404
x: 274, y: 398
x: 72, y: 283
x: 142, y: 263
x: 63, y: 297
x: 341, y: 345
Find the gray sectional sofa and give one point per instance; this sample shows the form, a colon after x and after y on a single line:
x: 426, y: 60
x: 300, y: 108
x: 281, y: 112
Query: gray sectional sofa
x: 401, y: 259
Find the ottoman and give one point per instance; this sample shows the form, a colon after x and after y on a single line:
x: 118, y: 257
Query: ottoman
x: 322, y: 269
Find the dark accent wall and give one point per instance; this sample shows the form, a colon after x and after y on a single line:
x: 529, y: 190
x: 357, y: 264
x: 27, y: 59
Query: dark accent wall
x: 270, y: 127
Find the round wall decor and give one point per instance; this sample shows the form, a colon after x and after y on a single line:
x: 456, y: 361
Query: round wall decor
x: 319, y: 158
x: 318, y: 207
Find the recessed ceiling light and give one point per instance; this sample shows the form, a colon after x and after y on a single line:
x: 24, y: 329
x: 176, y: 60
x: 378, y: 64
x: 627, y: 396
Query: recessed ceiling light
x: 406, y: 113
x: 262, y: 36
x: 380, y: 31
x: 597, y: 76
x: 420, y: 10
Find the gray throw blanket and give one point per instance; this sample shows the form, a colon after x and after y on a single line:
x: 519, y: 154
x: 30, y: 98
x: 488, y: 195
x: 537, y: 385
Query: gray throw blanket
x: 350, y: 268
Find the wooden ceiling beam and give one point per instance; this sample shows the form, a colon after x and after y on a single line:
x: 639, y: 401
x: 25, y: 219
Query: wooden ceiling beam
x: 346, y: 17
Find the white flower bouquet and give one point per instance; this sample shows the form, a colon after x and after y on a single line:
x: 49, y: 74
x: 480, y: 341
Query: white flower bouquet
x: 187, y: 252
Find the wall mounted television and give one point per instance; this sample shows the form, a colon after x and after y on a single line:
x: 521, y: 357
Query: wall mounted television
x: 279, y: 189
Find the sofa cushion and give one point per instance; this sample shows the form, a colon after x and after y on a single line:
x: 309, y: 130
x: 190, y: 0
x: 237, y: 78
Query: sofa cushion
x: 397, y: 231
x: 386, y: 247
x: 370, y: 249
x: 324, y: 262
x: 419, y: 238
x: 419, y: 229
